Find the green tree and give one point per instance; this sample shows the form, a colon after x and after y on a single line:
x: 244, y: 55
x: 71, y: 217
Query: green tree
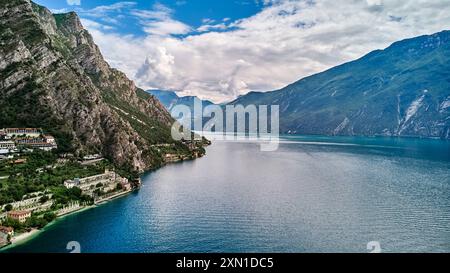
x: 98, y: 192
x: 36, y: 222
x: 15, y: 224
x: 8, y: 207
x: 49, y: 216
x: 44, y: 199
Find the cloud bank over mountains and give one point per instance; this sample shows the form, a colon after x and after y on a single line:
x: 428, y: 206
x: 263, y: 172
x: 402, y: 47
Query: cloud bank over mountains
x: 286, y: 41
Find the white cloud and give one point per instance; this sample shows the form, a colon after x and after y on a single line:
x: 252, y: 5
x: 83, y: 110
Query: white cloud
x: 107, y: 14
x: 166, y: 27
x: 286, y: 41
x: 159, y: 21
x: 56, y: 11
x: 208, y: 21
x: 159, y: 67
x: 89, y: 24
x: 73, y: 2
x: 113, y: 7
x: 207, y: 27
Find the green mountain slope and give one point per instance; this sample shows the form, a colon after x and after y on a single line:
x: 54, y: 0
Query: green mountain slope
x: 403, y: 90
x: 53, y: 76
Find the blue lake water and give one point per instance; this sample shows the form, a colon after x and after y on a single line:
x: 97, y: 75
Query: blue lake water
x: 314, y: 194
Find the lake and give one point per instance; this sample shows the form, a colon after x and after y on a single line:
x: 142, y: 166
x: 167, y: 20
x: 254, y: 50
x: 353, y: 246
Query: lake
x: 314, y: 194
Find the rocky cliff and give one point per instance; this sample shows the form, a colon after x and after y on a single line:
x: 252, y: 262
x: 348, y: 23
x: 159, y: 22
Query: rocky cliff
x: 53, y: 76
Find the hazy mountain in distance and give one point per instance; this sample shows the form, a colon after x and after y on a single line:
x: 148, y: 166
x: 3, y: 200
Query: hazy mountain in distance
x: 170, y: 98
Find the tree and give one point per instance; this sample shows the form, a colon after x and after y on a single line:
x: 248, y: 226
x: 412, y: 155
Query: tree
x: 8, y: 207
x: 36, y: 222
x: 98, y: 192
x: 15, y: 224
x: 44, y: 199
x: 75, y: 193
x: 49, y: 216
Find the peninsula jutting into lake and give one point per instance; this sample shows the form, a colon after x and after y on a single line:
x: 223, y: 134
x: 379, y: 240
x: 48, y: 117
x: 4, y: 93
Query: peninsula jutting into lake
x: 224, y: 126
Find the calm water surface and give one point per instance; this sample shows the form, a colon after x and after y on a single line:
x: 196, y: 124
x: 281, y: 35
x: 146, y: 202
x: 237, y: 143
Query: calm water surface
x: 315, y: 194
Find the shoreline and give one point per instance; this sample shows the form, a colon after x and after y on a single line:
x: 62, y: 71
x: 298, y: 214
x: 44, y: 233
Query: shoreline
x: 28, y: 236
x: 23, y: 237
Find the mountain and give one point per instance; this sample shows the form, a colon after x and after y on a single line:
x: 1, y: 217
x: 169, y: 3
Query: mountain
x: 403, y: 90
x: 169, y: 99
x: 53, y: 76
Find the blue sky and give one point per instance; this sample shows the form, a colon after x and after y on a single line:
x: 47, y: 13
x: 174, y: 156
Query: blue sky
x: 194, y: 13
x: 220, y: 49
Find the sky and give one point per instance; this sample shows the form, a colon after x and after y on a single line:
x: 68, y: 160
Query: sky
x: 221, y: 49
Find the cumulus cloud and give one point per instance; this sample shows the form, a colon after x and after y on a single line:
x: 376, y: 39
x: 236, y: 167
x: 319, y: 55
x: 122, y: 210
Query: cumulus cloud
x: 73, y: 2
x: 158, y: 67
x: 284, y: 42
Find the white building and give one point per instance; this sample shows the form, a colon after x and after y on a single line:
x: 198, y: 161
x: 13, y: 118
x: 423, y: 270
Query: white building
x: 92, y: 157
x: 37, y: 143
x: 7, y: 146
x: 32, y: 203
x: 29, y: 132
x: 50, y: 139
x: 107, y: 180
x: 72, y: 183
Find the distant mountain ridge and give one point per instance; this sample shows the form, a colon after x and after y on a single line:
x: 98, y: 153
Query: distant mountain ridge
x: 403, y: 90
x: 170, y: 98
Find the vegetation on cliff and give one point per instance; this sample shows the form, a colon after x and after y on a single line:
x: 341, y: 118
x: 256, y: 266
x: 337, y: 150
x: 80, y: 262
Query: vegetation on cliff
x: 53, y: 76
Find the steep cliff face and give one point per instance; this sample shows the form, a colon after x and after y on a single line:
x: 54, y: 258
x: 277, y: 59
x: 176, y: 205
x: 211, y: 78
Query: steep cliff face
x: 403, y: 90
x: 52, y: 75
